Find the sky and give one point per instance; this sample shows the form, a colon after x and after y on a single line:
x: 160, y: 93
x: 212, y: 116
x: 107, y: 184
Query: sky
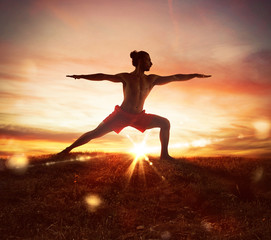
x: 41, y: 41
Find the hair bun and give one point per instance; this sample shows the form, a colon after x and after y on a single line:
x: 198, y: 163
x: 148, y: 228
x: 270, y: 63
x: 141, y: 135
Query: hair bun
x: 133, y: 54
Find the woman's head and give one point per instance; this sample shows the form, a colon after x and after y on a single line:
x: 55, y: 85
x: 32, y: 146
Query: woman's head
x: 141, y: 58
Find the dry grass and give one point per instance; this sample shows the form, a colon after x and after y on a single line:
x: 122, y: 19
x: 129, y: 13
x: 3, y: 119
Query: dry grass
x: 191, y: 198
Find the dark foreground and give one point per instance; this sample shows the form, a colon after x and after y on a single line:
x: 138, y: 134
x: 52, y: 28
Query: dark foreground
x: 194, y: 198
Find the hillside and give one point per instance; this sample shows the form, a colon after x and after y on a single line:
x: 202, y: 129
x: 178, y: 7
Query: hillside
x: 96, y: 196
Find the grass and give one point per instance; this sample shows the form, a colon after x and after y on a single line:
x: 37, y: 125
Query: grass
x: 189, y: 198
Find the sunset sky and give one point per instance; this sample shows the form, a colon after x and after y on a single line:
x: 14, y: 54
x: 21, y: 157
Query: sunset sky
x: 42, y: 41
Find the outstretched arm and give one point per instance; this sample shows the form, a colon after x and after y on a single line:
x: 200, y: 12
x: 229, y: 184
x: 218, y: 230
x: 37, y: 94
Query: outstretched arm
x: 160, y: 80
x: 99, y: 77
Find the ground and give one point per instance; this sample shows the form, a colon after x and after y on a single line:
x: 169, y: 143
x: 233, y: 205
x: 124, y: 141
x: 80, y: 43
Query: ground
x: 97, y: 196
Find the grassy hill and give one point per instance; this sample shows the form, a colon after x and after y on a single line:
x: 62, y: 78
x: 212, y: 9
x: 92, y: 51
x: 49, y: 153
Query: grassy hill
x: 96, y: 196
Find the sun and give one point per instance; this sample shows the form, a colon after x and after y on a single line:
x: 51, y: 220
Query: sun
x: 140, y: 151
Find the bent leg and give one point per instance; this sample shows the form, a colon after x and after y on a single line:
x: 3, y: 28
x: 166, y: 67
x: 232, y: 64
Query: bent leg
x: 164, y: 126
x: 100, y: 131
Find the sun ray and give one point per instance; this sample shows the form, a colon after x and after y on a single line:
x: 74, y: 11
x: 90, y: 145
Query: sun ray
x: 139, y: 153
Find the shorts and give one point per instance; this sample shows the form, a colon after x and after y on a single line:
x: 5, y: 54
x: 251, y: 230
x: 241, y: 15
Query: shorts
x: 120, y: 119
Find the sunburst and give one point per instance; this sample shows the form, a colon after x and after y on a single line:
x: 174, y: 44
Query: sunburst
x: 139, y: 153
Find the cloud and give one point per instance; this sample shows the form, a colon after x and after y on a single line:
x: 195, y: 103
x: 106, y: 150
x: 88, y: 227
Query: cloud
x: 16, y: 96
x: 25, y: 133
x: 258, y: 66
x: 241, y: 139
x: 246, y: 146
x: 11, y: 77
x: 31, y: 134
x: 249, y: 75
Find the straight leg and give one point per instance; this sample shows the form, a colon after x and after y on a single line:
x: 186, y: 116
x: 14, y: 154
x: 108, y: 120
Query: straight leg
x: 100, y: 131
x: 164, y: 126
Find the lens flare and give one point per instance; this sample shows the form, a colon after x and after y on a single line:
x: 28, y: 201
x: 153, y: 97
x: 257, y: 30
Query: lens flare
x: 93, y: 202
x: 18, y: 163
x: 81, y: 158
x: 139, y: 152
x: 257, y: 175
x: 165, y: 235
x: 262, y: 128
x: 208, y: 226
x: 201, y: 143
